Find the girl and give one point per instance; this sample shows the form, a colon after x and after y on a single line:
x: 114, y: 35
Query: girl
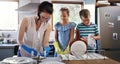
x: 64, y: 33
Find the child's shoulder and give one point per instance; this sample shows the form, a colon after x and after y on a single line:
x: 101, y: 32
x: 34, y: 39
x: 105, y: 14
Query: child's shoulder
x: 80, y: 24
x: 93, y: 24
x: 72, y: 24
x: 57, y: 24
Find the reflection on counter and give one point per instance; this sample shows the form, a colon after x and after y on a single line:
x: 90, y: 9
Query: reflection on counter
x: 8, y: 50
x: 8, y: 41
x: 8, y: 37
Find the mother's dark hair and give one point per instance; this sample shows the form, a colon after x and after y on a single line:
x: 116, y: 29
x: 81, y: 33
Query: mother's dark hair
x: 45, y: 7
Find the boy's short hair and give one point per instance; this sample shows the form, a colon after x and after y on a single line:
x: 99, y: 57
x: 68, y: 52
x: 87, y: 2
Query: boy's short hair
x: 84, y: 13
x: 65, y: 9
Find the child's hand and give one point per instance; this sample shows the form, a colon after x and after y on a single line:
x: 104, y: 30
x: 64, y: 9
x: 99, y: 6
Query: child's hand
x: 92, y: 36
x: 84, y: 39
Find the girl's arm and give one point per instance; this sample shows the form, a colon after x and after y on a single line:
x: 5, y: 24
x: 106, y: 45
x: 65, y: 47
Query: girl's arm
x: 71, y: 35
x: 56, y: 35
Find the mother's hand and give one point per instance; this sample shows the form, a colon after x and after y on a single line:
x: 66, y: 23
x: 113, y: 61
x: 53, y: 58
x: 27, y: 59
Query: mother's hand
x: 29, y: 50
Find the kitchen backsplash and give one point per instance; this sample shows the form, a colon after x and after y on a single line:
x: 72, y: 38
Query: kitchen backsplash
x: 9, y: 36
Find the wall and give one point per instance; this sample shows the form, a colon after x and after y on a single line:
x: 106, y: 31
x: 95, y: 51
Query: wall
x: 10, y: 0
x: 90, y: 5
x: 69, y: 0
x: 22, y: 14
x: 4, y: 34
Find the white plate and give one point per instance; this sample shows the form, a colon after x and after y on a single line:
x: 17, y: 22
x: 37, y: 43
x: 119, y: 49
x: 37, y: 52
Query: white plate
x: 78, y: 48
x: 51, y: 62
x: 18, y: 60
x: 52, y: 59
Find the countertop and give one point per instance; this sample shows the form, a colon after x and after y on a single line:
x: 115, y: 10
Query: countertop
x: 95, y: 61
x: 8, y: 45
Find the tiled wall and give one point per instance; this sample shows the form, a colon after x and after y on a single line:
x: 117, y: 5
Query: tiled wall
x: 13, y: 34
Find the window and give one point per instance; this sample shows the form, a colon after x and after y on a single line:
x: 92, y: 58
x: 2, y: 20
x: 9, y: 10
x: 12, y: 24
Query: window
x: 74, y: 12
x: 8, y: 15
x: 91, y: 8
x: 90, y: 5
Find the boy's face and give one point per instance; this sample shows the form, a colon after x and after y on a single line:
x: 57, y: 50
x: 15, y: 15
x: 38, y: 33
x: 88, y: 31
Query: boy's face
x: 86, y: 21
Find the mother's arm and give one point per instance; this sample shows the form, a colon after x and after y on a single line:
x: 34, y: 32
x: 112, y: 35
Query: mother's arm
x: 22, y: 30
x: 46, y: 36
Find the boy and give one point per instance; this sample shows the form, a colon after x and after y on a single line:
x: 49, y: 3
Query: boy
x: 86, y: 27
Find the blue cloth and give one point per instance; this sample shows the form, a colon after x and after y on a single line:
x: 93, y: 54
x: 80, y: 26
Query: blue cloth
x: 18, y: 53
x: 55, y: 54
x: 47, y: 49
x: 64, y: 34
x: 29, y: 50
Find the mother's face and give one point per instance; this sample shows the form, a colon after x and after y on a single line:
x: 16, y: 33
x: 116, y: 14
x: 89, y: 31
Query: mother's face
x: 44, y: 16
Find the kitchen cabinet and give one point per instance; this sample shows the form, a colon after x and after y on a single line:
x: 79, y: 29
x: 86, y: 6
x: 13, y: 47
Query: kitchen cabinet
x: 28, y: 5
x: 8, y: 50
x: 114, y: 54
x: 23, y: 2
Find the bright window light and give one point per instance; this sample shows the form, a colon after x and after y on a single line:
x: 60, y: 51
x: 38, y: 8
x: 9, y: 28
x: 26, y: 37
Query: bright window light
x: 91, y: 8
x: 8, y: 15
x: 74, y: 12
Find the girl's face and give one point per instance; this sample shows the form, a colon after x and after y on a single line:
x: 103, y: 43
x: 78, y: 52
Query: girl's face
x: 64, y: 15
x: 44, y: 16
x: 86, y: 21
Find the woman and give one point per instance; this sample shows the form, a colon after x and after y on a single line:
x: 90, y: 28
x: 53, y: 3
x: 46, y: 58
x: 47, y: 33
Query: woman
x: 34, y: 32
x: 64, y: 33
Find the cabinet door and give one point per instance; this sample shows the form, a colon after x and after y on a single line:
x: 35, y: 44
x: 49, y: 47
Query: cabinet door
x: 4, y: 53
x: 23, y: 2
